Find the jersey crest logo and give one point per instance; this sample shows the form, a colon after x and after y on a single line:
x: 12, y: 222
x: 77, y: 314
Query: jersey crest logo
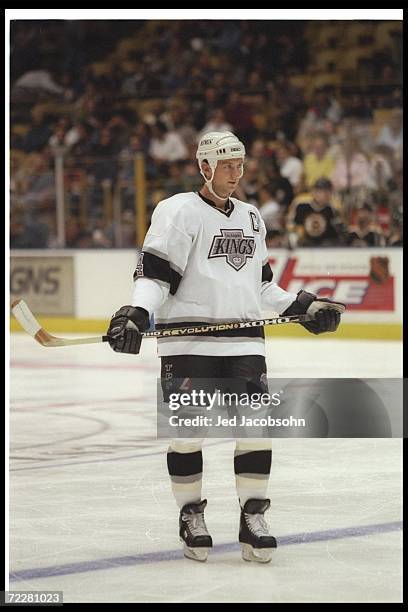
x: 234, y: 246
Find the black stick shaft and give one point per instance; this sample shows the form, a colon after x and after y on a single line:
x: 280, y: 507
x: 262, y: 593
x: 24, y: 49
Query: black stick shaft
x: 202, y: 329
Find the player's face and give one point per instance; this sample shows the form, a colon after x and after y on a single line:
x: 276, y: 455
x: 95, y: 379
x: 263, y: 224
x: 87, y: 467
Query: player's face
x: 227, y: 175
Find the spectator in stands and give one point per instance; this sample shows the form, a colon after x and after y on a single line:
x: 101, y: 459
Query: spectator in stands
x: 191, y: 178
x: 270, y: 210
x: 239, y: 115
x: 318, y: 163
x: 290, y: 167
x: 395, y: 238
x: 28, y: 231
x: 102, y: 170
x: 78, y: 139
x: 174, y: 182
x: 100, y: 236
x: 391, y: 134
x: 217, y: 123
x: 118, y: 127
x: 123, y: 235
x: 82, y: 147
x: 251, y: 182
x: 179, y: 119
x: 88, y: 108
x: 324, y: 106
x: 39, y: 133
x: 315, y: 221
x: 352, y: 169
x: 57, y: 139
x: 166, y: 146
x: 104, y: 157
x: 258, y: 150
x: 358, y: 107
x: 17, y: 160
x: 380, y: 168
x: 72, y: 231
x: 261, y: 152
x: 365, y: 232
x: 396, y: 195
x: 18, y: 235
x: 278, y: 185
x: 38, y: 184
x: 331, y: 132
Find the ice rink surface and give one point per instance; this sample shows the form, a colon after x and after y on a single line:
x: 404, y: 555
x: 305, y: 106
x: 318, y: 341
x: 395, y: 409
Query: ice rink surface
x: 91, y: 511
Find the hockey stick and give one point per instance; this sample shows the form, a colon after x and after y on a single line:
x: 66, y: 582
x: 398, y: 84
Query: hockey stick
x: 30, y: 324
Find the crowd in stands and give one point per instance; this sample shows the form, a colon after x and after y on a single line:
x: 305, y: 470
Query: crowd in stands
x: 324, y: 168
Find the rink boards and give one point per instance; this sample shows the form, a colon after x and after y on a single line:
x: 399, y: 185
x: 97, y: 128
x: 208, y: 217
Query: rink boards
x: 78, y: 290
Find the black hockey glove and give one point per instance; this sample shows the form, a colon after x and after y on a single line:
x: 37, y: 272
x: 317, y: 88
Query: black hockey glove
x: 326, y: 313
x: 125, y: 329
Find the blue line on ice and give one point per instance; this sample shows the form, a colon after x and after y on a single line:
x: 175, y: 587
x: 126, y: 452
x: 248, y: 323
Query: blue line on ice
x: 177, y: 555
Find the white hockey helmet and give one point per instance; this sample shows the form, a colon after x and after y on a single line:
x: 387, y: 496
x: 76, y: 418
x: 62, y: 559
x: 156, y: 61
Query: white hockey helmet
x: 214, y: 146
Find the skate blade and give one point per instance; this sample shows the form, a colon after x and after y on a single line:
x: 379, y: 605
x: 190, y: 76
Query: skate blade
x: 260, y: 555
x: 196, y: 554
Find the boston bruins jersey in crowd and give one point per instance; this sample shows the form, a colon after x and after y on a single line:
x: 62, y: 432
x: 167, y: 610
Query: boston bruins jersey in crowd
x: 319, y: 224
x: 204, y: 265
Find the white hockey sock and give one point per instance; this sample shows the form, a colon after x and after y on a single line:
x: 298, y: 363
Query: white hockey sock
x: 185, y: 465
x: 252, y: 464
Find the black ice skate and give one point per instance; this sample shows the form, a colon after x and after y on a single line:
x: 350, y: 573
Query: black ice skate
x: 257, y: 543
x: 193, y: 531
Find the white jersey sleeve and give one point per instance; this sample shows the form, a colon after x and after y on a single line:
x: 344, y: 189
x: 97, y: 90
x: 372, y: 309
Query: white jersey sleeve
x: 149, y: 294
x: 164, y: 255
x: 273, y: 297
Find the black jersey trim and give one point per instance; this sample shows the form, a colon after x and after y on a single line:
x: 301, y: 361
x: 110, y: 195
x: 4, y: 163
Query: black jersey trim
x: 227, y: 212
x: 250, y: 332
x: 157, y: 268
x: 267, y: 274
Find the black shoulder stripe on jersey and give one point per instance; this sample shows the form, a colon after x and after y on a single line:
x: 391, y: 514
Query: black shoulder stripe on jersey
x: 158, y: 268
x: 250, y: 332
x: 267, y: 274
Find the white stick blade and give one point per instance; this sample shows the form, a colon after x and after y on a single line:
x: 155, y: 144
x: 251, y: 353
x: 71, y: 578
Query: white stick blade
x: 25, y: 317
x: 30, y: 324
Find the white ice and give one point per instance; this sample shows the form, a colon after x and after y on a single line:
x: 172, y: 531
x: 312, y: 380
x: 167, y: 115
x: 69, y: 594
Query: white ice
x: 90, y: 497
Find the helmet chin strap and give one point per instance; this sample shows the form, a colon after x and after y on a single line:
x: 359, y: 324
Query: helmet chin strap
x: 211, y: 190
x: 208, y: 182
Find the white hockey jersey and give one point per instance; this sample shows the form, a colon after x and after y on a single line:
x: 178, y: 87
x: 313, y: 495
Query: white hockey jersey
x: 199, y: 265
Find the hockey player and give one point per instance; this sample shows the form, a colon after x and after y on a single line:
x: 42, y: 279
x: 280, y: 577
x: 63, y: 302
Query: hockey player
x: 204, y: 260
